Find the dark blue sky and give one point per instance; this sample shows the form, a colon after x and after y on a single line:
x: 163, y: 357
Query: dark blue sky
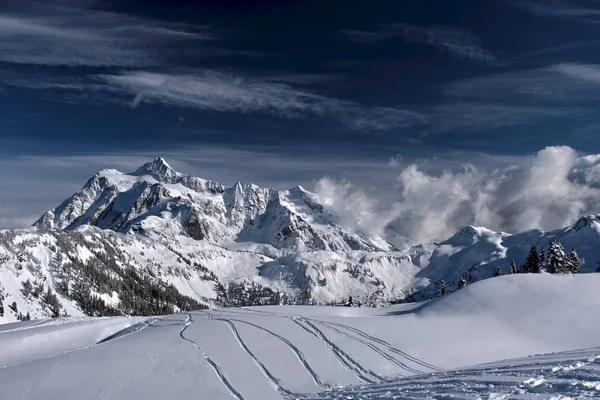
x: 277, y: 92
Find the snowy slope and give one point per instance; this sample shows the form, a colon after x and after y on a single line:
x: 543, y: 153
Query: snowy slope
x: 351, y: 353
x: 474, y: 252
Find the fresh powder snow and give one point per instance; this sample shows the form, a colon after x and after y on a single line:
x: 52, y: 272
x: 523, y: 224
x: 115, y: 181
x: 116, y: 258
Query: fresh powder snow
x: 469, y: 344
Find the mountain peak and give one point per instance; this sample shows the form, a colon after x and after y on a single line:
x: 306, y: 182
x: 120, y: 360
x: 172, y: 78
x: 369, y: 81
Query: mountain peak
x: 159, y: 169
x: 585, y: 221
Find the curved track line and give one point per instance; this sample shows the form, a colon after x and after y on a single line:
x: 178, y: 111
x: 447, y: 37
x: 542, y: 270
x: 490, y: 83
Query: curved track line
x: 372, y: 347
x: 189, y: 321
x: 352, y: 360
x: 389, y: 346
x: 274, y: 382
x: 341, y: 355
x: 292, y: 347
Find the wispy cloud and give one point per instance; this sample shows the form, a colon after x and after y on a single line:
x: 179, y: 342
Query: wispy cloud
x: 589, y: 73
x: 457, y: 42
x: 560, y: 8
x: 212, y: 90
x: 146, y: 66
x: 483, y: 117
x: 384, y: 118
x: 40, y: 33
x: 560, y: 83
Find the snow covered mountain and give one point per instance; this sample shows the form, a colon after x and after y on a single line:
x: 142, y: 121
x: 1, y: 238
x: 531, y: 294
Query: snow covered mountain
x: 156, y: 241
x: 207, y: 242
x: 475, y: 252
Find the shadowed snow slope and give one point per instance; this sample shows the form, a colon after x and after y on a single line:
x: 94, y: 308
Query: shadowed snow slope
x: 288, y: 351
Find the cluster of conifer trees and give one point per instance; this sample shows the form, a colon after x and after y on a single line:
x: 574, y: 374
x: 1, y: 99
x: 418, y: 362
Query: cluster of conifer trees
x: 554, y: 260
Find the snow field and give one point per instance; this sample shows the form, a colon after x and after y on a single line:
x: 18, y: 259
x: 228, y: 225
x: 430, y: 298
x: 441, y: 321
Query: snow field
x: 409, y: 351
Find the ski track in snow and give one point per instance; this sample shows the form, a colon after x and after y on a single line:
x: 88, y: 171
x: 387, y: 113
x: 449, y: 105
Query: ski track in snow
x: 382, y: 342
x: 274, y: 382
x: 563, y: 375
x: 372, y: 347
x: 189, y: 321
x: 528, y: 378
x: 299, y: 355
x: 387, y: 345
x: 345, y: 359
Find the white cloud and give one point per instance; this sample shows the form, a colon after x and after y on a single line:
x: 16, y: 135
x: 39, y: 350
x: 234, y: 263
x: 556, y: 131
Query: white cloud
x: 72, y: 33
x: 40, y: 33
x: 383, y: 118
x: 212, y: 90
x: 547, y: 191
x: 482, y: 117
x: 590, y: 73
x: 354, y: 208
x: 520, y: 98
x: 560, y: 8
x: 457, y: 42
x: 215, y: 91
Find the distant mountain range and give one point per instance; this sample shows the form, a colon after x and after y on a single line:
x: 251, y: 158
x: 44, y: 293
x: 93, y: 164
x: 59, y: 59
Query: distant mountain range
x: 156, y: 240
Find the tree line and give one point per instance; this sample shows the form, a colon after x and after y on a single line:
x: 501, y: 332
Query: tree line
x: 554, y: 260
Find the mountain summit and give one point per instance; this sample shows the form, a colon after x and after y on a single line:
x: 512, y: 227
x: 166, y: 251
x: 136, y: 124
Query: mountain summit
x: 159, y: 169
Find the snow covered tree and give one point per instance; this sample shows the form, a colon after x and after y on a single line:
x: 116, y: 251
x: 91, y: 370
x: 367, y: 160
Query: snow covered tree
x: 532, y: 263
x: 573, y: 262
x: 542, y: 257
x: 513, y: 267
x: 462, y: 282
x: 442, y: 289
x: 497, y: 271
x: 27, y: 287
x: 557, y: 260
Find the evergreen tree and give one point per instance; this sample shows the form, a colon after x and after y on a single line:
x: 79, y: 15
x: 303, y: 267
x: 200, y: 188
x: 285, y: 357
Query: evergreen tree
x: 27, y: 287
x: 513, y: 267
x: 557, y: 260
x: 349, y: 303
x: 442, y: 289
x: 497, y: 271
x: 542, y: 257
x: 573, y: 262
x: 532, y: 263
x: 462, y: 282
